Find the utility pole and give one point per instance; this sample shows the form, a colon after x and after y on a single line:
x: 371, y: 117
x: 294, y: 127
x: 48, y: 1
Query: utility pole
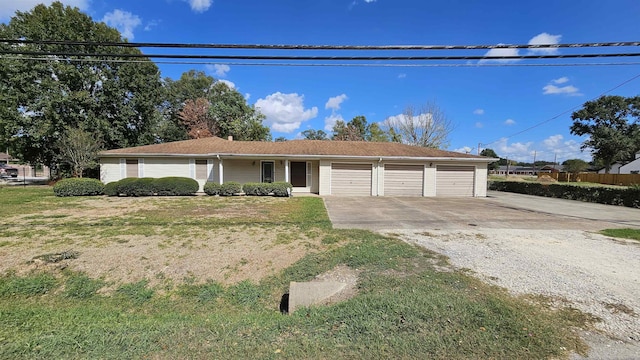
x: 479, y: 144
x: 506, y: 175
x: 534, y: 161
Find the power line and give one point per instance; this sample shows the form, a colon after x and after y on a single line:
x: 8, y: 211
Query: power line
x: 319, y: 47
x: 477, y: 65
x: 320, y: 58
x: 564, y: 112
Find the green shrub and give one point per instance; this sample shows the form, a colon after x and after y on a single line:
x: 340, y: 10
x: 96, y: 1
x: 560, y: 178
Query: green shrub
x: 230, y: 188
x: 136, y: 187
x: 112, y: 189
x: 257, y: 189
x: 281, y: 189
x: 212, y: 188
x: 629, y: 197
x: 175, y: 186
x: 78, y: 187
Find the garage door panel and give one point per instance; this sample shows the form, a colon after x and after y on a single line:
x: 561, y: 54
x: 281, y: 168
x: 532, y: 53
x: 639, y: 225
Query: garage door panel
x: 455, y: 180
x: 403, y: 180
x: 351, y: 179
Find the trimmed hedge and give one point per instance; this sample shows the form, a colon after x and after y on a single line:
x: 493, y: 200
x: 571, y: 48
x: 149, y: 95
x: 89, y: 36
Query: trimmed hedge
x: 230, y: 188
x: 78, y: 187
x: 629, y: 197
x: 167, y: 186
x: 212, y: 188
x: 176, y: 186
x: 263, y: 189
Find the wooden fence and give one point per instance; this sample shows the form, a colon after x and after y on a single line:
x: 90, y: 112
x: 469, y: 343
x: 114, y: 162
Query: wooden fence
x: 609, y: 179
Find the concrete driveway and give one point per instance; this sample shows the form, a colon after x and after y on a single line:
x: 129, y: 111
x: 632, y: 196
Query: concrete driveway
x: 499, y: 210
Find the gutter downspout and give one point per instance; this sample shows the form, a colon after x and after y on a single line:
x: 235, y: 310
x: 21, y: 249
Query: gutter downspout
x: 378, y: 177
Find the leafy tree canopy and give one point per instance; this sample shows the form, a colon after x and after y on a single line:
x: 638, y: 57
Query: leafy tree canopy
x: 311, y: 134
x: 611, y: 122
x: 490, y: 153
x: 39, y: 99
x: 575, y: 166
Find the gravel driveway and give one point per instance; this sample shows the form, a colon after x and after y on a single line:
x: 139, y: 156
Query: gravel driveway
x: 528, y: 245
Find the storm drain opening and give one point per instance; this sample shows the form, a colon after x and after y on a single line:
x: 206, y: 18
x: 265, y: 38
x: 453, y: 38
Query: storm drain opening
x: 284, y: 304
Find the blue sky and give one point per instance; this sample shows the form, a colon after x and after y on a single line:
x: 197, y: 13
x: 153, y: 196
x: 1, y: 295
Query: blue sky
x: 489, y: 105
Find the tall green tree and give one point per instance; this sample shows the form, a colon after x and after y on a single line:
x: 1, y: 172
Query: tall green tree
x: 575, y: 166
x: 234, y: 117
x: 188, y: 89
x: 41, y: 98
x: 611, y: 122
x: 311, y: 134
x: 79, y: 148
x: 492, y: 154
x: 358, y: 129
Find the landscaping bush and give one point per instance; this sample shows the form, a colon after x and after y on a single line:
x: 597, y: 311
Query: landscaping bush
x: 112, y: 189
x: 78, y: 187
x: 175, y: 186
x: 281, y: 188
x: 212, y: 188
x: 230, y: 188
x: 257, y: 189
x: 629, y: 197
x: 136, y: 187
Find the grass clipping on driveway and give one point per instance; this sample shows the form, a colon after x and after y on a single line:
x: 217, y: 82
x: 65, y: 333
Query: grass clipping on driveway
x: 407, y: 306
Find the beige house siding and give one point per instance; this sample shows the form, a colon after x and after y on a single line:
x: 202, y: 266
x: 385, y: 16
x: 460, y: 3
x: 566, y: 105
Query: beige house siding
x: 163, y: 167
x: 242, y: 171
x: 481, y: 180
x: 109, y: 170
x: 324, y: 177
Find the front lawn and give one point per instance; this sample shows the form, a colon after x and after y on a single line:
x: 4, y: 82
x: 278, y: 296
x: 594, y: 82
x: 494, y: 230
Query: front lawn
x: 202, y: 277
x: 633, y: 234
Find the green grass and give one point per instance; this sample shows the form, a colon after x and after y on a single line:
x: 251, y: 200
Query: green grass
x: 405, y: 307
x: 633, y: 234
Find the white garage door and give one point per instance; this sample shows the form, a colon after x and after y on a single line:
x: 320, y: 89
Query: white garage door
x: 351, y: 179
x: 454, y: 180
x: 403, y: 180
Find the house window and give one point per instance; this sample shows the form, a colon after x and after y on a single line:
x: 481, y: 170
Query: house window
x: 267, y: 173
x: 201, y: 170
x: 132, y: 168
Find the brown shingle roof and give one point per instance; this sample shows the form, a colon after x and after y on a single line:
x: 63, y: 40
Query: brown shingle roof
x: 218, y: 146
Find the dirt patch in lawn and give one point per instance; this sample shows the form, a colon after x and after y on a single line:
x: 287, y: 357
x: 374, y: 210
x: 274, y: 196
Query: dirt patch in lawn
x: 163, y: 240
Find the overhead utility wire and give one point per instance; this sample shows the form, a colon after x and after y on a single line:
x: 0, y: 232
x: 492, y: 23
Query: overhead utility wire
x: 317, y: 58
x: 564, y: 112
x: 324, y: 65
x: 321, y: 47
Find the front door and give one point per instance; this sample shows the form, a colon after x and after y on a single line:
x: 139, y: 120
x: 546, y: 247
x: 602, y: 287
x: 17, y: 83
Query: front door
x: 298, y: 174
x: 267, y: 171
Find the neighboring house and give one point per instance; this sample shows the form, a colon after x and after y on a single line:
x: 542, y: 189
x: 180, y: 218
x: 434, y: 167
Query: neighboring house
x: 632, y: 167
x: 515, y: 170
x: 347, y: 168
x: 552, y: 168
x: 5, y: 158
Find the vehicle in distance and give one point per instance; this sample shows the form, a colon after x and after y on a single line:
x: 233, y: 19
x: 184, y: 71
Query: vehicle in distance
x: 6, y: 170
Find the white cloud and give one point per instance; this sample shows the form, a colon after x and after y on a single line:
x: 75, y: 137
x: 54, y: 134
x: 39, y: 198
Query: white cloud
x: 566, y: 90
x: 8, y: 8
x: 220, y: 70
x: 402, y: 76
x: 478, y: 112
x: 551, y: 89
x: 509, y: 122
x: 285, y: 112
x: 479, y: 125
x: 516, y: 151
x: 561, y: 80
x: 464, y: 149
x: 331, y: 120
x: 544, y: 39
x: 556, y: 147
x: 151, y: 24
x: 247, y: 96
x: 369, y: 1
x: 124, y: 21
x: 498, y: 53
x: 200, y: 5
x: 552, y: 141
x: 334, y: 102
x: 230, y: 84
